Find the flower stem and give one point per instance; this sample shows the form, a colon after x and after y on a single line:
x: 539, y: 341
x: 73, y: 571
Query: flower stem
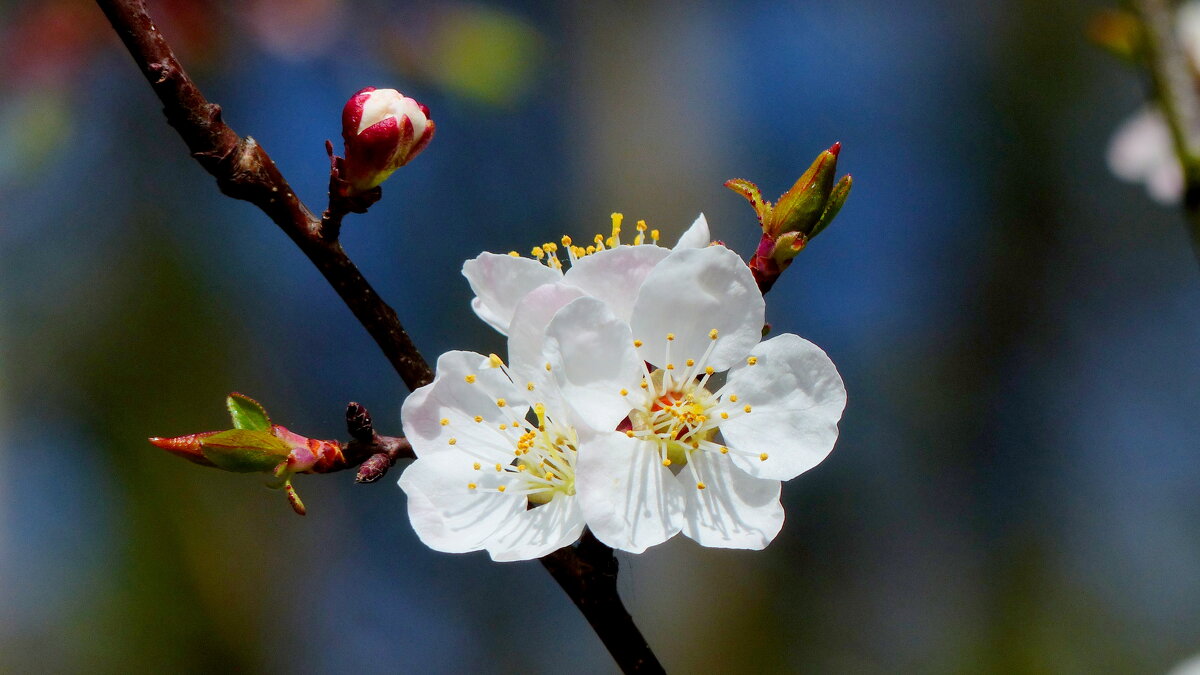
x: 1176, y: 91
x: 588, y: 573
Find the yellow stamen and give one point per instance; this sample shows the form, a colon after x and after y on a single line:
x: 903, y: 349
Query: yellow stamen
x: 637, y: 343
x: 712, y: 334
x: 566, y: 241
x: 529, y: 386
x: 514, y: 254
x: 501, y: 488
x: 476, y: 466
x: 667, y: 462
x: 752, y: 360
x: 496, y: 361
x: 733, y: 398
x: 469, y: 379
x: 479, y: 418
x: 501, y: 402
x: 445, y: 421
x: 691, y: 362
x: 747, y: 408
x: 670, y: 337
x: 700, y: 486
x: 763, y: 457
x: 471, y: 486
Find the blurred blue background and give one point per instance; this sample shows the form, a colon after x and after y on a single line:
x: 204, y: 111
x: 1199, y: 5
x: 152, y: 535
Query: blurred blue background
x: 1015, y: 487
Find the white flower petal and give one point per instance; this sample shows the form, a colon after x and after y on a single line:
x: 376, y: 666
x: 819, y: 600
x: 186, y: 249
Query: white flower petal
x: 1141, y: 146
x: 734, y: 510
x: 796, y: 398
x: 499, y: 283
x: 629, y: 499
x: 446, y: 514
x: 690, y: 293
x: 527, y: 333
x: 696, y: 236
x: 592, y: 359
x: 535, y: 532
x: 451, y: 398
x: 614, y: 275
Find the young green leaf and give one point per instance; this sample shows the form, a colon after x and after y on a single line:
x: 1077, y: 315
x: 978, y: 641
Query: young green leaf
x: 247, y: 413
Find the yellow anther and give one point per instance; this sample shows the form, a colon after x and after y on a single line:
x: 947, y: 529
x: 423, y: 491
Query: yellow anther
x: 476, y: 465
x: 645, y: 384
x: 514, y: 254
x: 499, y: 467
x: 549, y: 476
x: 469, y: 379
x: 550, y: 247
x: 712, y: 334
x: 503, y: 427
x: 496, y: 361
x: 670, y: 366
x: 617, y: 219
x: 724, y: 415
x: 700, y: 485
x: 624, y: 392
x: 537, y: 252
x: 708, y: 370
x: 529, y: 386
x: 670, y: 337
x: 762, y: 457
x: 452, y: 441
x: 501, y: 402
x: 522, y: 467
x: 724, y: 450
x: 444, y: 421
x: 566, y: 241
x: 641, y: 226
x: 629, y: 433
x: 691, y: 362
x: 733, y: 398
x: 752, y: 360
x: 471, y: 486
x: 591, y: 250
x: 637, y: 343
x: 611, y: 242
x: 500, y: 489
x: 479, y: 418
x: 599, y: 239
x: 547, y: 366
x: 654, y: 235
x: 747, y: 408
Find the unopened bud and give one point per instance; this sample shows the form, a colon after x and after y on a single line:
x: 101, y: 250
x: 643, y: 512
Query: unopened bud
x: 383, y: 130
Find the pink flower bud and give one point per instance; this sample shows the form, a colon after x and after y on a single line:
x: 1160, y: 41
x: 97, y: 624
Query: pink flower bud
x: 383, y: 130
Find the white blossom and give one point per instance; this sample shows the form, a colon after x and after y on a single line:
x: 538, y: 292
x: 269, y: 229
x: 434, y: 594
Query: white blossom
x: 1141, y: 149
x: 606, y: 269
x: 696, y: 455
x: 497, y: 445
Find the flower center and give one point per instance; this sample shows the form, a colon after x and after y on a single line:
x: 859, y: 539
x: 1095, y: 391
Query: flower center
x: 548, y: 252
x: 678, y: 417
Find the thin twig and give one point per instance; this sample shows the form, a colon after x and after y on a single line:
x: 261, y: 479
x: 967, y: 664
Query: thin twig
x: 244, y: 171
x: 1174, y: 85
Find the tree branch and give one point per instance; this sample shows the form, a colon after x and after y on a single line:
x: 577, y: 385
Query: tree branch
x: 1175, y: 88
x: 244, y: 171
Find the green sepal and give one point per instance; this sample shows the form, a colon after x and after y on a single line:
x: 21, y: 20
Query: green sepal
x: 244, y: 450
x: 762, y: 207
x: 788, y: 246
x: 836, y: 199
x: 799, y: 209
x: 247, y: 413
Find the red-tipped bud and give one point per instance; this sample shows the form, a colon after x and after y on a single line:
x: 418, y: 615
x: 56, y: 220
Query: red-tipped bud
x: 188, y: 447
x: 383, y: 130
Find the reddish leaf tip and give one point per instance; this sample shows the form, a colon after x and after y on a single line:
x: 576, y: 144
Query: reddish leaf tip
x: 835, y: 148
